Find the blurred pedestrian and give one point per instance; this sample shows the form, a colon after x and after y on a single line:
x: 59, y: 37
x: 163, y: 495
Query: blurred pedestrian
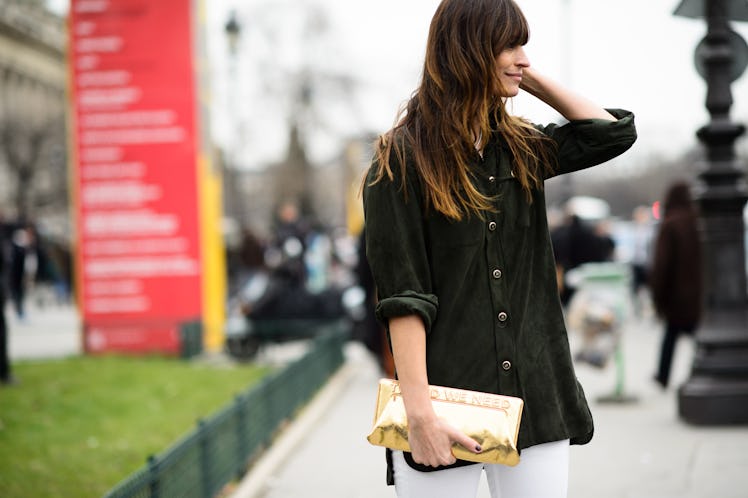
x: 606, y: 244
x: 457, y: 240
x: 48, y: 275
x: 290, y: 226
x: 676, y: 274
x: 59, y: 259
x: 251, y: 251
x: 642, y: 233
x: 6, y: 376
x: 24, y: 263
x: 576, y: 243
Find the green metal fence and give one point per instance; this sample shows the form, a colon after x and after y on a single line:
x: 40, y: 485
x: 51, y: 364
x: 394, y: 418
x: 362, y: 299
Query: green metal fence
x: 220, y: 448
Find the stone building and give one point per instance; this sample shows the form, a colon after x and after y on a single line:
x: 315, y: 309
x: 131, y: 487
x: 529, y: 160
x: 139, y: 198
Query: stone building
x: 33, y: 78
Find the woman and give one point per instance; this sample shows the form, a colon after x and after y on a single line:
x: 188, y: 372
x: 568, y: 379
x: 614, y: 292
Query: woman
x: 458, y: 243
x: 676, y: 276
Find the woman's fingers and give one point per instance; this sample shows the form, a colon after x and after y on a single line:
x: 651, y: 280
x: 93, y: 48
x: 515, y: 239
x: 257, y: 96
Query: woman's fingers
x: 465, y: 441
x: 441, y: 454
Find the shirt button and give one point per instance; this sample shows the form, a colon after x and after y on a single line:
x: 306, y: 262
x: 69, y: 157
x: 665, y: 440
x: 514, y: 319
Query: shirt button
x: 503, y: 316
x: 492, y: 226
x: 506, y: 365
x: 492, y: 179
x: 496, y: 273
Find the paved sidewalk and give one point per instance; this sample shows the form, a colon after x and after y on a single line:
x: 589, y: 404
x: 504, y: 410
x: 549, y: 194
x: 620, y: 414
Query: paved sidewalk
x: 51, y: 331
x: 640, y: 449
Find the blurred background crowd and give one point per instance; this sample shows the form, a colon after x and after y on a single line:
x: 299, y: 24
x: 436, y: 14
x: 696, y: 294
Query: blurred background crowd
x: 291, y: 219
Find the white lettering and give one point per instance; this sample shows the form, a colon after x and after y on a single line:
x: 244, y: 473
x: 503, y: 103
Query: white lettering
x: 142, y: 267
x: 101, y: 154
x: 133, y: 223
x: 113, y: 171
x: 118, y: 247
x: 157, y: 117
x: 104, y: 78
x: 114, y: 287
x: 85, y: 28
x: 91, y: 6
x: 118, y: 305
x: 103, y: 44
x: 134, y: 136
x: 112, y: 97
x: 87, y: 62
x: 119, y: 193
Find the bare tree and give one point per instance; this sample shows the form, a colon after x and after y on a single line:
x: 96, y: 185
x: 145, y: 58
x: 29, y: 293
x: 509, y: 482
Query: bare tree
x: 286, y: 49
x: 34, y: 153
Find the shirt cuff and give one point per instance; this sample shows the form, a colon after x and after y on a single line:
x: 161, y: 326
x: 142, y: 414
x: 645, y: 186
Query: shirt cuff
x: 601, y: 130
x: 409, y: 303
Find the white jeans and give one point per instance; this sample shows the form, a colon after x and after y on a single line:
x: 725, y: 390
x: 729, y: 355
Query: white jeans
x: 543, y: 472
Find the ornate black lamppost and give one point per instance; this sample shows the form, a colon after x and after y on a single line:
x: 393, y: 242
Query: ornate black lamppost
x: 233, y: 31
x: 717, y: 390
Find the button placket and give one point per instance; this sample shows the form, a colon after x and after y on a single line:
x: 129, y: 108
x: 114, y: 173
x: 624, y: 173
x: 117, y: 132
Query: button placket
x: 504, y: 340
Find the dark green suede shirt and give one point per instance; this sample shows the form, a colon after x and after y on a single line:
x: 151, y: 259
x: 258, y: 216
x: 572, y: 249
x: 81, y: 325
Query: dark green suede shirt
x: 486, y: 288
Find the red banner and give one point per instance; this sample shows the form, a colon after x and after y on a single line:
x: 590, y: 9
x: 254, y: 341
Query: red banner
x: 136, y: 141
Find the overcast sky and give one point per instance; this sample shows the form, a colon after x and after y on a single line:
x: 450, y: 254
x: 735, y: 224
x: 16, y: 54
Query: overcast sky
x: 632, y: 54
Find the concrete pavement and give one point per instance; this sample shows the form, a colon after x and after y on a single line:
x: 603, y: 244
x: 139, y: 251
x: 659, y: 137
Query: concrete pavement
x: 640, y: 449
x: 51, y: 331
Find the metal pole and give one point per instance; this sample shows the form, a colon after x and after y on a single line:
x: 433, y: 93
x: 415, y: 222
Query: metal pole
x: 567, y: 180
x: 717, y: 390
x: 233, y: 30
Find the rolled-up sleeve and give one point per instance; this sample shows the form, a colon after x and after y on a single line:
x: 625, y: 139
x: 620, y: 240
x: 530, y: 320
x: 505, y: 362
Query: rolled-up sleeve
x: 588, y: 142
x: 396, y: 250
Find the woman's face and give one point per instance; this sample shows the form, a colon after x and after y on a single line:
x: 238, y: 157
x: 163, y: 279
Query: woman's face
x: 509, y: 66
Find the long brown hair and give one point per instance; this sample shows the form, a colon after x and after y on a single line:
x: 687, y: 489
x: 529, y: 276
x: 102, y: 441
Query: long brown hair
x: 678, y: 198
x: 460, y: 92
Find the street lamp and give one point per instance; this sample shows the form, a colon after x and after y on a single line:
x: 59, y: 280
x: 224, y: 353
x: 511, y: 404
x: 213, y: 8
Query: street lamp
x: 567, y: 30
x: 233, y: 32
x: 717, y: 390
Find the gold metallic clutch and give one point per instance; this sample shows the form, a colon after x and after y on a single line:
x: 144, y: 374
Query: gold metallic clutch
x: 491, y: 419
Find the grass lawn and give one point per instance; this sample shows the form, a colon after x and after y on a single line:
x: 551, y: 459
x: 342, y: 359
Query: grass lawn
x: 75, y: 427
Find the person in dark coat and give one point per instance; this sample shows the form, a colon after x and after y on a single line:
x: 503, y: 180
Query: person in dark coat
x: 676, y: 279
x: 24, y: 263
x: 6, y: 377
x: 574, y: 244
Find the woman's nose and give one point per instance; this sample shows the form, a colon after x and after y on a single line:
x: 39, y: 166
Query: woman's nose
x: 522, y: 59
